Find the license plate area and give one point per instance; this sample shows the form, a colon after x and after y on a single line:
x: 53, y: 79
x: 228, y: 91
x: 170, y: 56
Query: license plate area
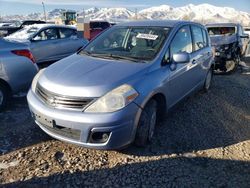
x: 44, y: 120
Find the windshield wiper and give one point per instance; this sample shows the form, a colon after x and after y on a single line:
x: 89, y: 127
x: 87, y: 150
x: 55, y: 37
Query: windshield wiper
x: 111, y: 56
x: 85, y: 52
x: 124, y: 57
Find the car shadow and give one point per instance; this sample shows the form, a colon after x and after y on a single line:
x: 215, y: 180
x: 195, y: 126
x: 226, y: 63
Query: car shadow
x: 203, y: 121
x: 168, y: 172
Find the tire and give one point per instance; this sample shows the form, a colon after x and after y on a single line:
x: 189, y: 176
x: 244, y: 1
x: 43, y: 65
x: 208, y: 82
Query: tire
x: 4, y: 95
x: 208, y: 80
x: 146, y: 125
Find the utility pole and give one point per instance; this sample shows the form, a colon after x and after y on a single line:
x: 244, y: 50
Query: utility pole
x: 136, y: 14
x: 44, y: 12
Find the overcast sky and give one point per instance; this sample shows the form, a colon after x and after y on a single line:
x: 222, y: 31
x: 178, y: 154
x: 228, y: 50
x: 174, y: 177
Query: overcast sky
x: 29, y: 6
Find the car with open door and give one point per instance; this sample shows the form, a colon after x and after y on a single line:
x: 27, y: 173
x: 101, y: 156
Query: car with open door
x: 111, y: 93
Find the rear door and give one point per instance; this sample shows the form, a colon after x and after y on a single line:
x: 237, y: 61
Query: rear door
x: 244, y: 41
x: 202, y: 54
x: 45, y: 45
x: 246, y: 58
x: 69, y: 42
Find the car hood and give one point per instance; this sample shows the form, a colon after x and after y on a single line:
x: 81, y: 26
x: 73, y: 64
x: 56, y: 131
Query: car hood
x: 222, y: 40
x: 86, y: 76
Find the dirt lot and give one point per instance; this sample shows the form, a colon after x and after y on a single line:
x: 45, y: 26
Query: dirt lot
x: 204, y: 142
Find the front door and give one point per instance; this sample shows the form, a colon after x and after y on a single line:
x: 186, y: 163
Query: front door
x: 246, y: 57
x: 183, y: 77
x: 45, y: 45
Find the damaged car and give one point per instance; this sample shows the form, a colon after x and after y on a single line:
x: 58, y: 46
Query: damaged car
x: 229, y: 42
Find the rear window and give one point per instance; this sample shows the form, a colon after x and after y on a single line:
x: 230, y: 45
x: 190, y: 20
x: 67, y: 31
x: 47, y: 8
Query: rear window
x: 221, y: 30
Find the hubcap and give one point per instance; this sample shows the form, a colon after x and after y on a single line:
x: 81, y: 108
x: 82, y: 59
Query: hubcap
x: 152, y: 125
x: 1, y: 97
x: 208, y: 79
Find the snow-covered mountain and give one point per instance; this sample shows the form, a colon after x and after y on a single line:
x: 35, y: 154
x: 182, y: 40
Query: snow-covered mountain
x: 202, y: 13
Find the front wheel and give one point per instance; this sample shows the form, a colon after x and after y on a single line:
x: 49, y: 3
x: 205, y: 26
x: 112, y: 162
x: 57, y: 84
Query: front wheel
x: 146, y: 125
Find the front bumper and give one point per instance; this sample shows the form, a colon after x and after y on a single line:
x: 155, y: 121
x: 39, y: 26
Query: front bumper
x: 76, y: 127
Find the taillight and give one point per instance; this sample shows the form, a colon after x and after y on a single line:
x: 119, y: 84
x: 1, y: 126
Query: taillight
x: 25, y: 53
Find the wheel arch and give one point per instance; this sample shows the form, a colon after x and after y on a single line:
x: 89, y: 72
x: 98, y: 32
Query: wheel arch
x: 161, y: 103
x: 6, y: 85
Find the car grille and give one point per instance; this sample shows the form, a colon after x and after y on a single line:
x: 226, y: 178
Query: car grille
x: 62, y: 102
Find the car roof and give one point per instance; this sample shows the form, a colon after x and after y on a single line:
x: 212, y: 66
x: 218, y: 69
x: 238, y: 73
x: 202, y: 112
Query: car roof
x: 34, y: 21
x: 222, y: 25
x: 42, y: 26
x: 156, y: 23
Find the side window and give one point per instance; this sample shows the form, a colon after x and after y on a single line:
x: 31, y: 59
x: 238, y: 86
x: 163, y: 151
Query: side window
x: 205, y: 38
x: 67, y: 33
x: 197, y: 38
x: 47, y: 34
x: 182, y: 41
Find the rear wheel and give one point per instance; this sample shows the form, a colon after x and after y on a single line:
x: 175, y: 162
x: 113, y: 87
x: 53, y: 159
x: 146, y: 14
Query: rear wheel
x: 4, y: 95
x: 146, y: 125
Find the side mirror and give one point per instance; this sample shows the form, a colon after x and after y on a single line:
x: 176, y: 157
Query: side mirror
x: 244, y: 36
x: 181, y: 57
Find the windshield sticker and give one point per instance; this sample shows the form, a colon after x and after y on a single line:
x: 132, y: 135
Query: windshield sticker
x: 146, y: 36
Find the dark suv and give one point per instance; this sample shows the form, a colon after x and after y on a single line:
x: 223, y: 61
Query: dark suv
x: 7, y: 30
x: 229, y: 42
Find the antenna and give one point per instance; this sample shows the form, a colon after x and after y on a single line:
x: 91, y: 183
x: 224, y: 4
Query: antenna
x: 44, y: 12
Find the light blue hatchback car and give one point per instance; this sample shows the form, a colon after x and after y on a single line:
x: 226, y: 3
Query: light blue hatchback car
x: 111, y: 93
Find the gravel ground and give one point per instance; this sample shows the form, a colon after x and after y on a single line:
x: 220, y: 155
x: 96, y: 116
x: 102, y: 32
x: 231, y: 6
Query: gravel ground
x: 203, y: 142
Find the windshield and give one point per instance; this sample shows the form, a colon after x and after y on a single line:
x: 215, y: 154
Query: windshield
x: 25, y: 33
x: 138, y: 43
x: 221, y: 30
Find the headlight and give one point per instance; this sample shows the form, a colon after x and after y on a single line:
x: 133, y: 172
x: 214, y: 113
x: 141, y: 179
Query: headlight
x: 114, y: 100
x: 35, y: 80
